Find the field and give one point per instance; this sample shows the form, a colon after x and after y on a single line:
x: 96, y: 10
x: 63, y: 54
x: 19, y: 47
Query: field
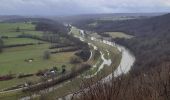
x: 75, y: 84
x: 119, y: 35
x: 14, y: 60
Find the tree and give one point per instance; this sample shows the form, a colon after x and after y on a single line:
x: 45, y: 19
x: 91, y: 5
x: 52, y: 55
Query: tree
x: 55, y: 68
x: 63, y: 69
x: 46, y: 55
x: 17, y: 29
x: 75, y: 60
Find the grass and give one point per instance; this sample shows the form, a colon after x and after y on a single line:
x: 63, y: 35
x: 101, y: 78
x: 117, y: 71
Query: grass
x: 12, y: 41
x: 12, y: 60
x: 11, y: 27
x: 75, y: 31
x: 11, y: 96
x: 119, y: 35
x: 93, y: 24
x: 15, y: 82
x: 37, y: 33
x: 115, y: 55
x: 74, y: 85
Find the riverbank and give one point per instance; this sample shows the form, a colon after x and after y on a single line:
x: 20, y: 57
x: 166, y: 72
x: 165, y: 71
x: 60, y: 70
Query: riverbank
x: 124, y: 67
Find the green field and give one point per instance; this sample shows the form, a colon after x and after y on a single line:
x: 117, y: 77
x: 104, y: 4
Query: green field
x: 12, y: 41
x: 13, y: 60
x: 119, y: 35
x: 9, y: 29
x: 75, y: 84
x: 6, y: 27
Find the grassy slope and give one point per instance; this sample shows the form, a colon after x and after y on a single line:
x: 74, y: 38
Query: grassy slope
x: 11, y: 41
x: 12, y: 59
x: 9, y: 29
x: 12, y: 26
x: 119, y: 35
x: 75, y: 83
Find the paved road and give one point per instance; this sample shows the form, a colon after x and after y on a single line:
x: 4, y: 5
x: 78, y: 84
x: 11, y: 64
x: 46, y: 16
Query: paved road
x: 124, y: 67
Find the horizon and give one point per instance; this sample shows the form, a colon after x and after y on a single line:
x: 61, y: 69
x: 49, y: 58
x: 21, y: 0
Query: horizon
x: 87, y: 14
x: 80, y: 7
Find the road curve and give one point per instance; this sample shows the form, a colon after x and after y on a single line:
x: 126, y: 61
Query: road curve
x: 124, y: 67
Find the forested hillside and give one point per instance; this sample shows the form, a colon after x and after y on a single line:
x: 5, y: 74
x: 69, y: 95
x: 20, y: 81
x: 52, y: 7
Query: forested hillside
x: 151, y: 44
x: 153, y: 25
x: 149, y: 78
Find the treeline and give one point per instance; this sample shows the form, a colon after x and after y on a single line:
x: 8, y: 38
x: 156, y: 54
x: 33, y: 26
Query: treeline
x: 74, y: 72
x: 84, y: 54
x: 137, y: 27
x: 18, y: 45
x: 54, y: 46
x: 52, y: 26
x: 59, y: 33
x: 1, y: 44
x: 67, y: 49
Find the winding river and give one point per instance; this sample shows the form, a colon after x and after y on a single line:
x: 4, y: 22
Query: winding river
x: 124, y: 67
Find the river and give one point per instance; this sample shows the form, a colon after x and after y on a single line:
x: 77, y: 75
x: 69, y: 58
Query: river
x: 124, y: 67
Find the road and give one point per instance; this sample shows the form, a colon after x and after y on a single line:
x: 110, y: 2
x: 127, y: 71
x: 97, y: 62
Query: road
x: 124, y: 67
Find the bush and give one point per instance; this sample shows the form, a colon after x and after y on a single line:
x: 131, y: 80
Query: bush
x: 53, y: 46
x: 41, y: 72
x: 18, y: 45
x: 46, y: 55
x: 6, y: 77
x: 17, y: 29
x: 71, y: 49
x: 83, y: 54
x: 75, y: 60
x: 24, y: 75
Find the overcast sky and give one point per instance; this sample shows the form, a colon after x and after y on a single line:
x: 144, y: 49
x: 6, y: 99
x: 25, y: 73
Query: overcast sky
x: 66, y: 7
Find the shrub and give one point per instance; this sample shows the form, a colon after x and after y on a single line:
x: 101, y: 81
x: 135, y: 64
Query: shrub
x: 46, y: 55
x: 75, y: 60
x: 1, y: 45
x: 6, y: 77
x: 83, y: 54
x: 41, y: 72
x: 24, y: 75
x: 17, y: 29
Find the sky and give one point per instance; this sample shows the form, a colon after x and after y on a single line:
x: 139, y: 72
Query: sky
x: 72, y: 7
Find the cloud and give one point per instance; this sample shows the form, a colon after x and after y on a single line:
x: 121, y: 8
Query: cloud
x: 65, y: 7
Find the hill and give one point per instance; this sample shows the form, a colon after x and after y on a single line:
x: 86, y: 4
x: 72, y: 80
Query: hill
x: 151, y: 44
x: 7, y: 17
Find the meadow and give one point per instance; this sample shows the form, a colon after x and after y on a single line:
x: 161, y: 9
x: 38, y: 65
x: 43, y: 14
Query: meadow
x: 13, y: 60
x: 119, y: 35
